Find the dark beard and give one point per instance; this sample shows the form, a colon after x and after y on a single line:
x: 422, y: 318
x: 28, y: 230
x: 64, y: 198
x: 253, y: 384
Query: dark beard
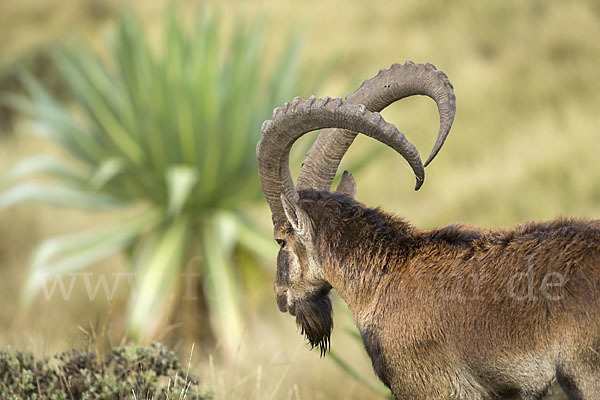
x: 314, y: 317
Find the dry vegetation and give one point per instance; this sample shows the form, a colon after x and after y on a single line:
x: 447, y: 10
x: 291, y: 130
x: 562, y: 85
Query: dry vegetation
x: 524, y: 145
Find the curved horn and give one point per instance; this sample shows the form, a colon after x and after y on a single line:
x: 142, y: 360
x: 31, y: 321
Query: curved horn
x: 387, y: 87
x: 302, y: 116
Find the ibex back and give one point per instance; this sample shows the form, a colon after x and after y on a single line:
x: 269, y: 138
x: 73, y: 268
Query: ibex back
x: 452, y: 313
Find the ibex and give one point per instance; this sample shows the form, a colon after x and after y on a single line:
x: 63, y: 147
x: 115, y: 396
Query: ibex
x: 452, y: 313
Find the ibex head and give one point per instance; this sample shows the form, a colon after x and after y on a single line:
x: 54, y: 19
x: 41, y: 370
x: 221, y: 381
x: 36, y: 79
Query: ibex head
x: 301, y: 287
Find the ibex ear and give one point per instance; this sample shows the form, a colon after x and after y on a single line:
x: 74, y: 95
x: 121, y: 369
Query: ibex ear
x: 297, y: 217
x: 347, y: 185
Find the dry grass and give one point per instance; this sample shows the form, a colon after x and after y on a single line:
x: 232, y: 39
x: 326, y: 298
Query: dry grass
x: 524, y: 146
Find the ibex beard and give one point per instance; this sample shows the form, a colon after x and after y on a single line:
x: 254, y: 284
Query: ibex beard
x: 315, y: 320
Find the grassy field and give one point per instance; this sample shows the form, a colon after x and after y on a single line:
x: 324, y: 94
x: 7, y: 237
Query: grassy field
x: 524, y: 146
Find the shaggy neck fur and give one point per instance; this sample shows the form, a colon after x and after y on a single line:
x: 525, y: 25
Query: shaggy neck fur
x: 346, y: 231
x: 366, y: 251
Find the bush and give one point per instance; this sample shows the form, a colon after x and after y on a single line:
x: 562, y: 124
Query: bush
x: 171, y: 133
x: 127, y: 372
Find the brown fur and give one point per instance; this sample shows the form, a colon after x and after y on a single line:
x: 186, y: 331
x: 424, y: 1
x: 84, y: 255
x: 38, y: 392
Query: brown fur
x: 459, y: 312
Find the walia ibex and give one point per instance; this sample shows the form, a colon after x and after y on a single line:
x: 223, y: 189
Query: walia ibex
x: 453, y: 313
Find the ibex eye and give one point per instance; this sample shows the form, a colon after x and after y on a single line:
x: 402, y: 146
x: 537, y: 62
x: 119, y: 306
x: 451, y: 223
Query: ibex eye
x: 280, y: 242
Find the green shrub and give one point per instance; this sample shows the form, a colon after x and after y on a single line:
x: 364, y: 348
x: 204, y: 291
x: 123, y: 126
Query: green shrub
x: 126, y: 373
x: 172, y: 134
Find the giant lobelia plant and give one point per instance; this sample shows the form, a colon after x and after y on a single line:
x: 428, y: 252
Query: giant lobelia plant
x: 172, y: 133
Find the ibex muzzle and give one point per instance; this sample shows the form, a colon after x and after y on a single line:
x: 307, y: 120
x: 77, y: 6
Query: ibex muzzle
x: 453, y: 313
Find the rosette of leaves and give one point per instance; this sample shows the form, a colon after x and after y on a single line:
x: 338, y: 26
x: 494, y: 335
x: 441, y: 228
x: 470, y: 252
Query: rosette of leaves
x: 170, y: 132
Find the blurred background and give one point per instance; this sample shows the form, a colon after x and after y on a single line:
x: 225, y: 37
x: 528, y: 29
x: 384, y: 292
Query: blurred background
x: 129, y: 203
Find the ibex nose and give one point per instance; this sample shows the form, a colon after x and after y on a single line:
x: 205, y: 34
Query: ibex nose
x: 281, y: 297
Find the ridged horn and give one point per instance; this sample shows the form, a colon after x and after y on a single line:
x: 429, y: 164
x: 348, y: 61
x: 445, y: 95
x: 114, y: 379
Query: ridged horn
x: 387, y: 87
x: 302, y: 116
